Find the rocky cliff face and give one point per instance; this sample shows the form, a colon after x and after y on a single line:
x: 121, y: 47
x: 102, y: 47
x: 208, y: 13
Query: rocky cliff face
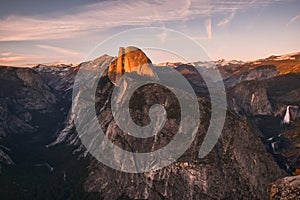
x: 23, y: 96
x: 58, y: 78
x: 229, y: 171
x: 265, y: 102
x: 249, y: 156
x: 286, y: 188
x: 32, y: 109
x: 250, y: 98
x: 130, y: 59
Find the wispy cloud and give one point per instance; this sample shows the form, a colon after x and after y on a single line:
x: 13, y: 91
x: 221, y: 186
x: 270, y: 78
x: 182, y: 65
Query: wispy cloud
x: 224, y: 22
x: 58, y: 49
x: 162, y: 37
x: 109, y: 14
x: 5, y: 54
x: 20, y: 59
x: 293, y: 20
x: 208, y: 28
x: 53, y: 62
x: 11, y: 59
x: 97, y: 16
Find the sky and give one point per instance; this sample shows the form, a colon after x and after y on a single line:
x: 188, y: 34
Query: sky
x: 52, y: 32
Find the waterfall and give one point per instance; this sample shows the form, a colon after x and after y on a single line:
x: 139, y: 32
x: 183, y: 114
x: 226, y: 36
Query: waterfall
x: 286, y: 119
x: 252, y: 98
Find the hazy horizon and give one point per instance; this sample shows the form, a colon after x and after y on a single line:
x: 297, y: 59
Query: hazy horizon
x: 159, y: 62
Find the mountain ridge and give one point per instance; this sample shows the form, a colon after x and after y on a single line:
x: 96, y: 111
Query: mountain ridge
x: 251, y: 154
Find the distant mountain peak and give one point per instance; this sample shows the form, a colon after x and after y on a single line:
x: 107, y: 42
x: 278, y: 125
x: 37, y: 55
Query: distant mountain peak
x: 290, y: 56
x: 130, y: 59
x: 224, y: 62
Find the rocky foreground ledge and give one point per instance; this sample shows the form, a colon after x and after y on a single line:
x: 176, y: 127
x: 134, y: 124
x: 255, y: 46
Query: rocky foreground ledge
x: 287, y: 188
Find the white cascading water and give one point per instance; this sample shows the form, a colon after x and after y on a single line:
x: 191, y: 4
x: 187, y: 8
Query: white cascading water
x: 286, y: 119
